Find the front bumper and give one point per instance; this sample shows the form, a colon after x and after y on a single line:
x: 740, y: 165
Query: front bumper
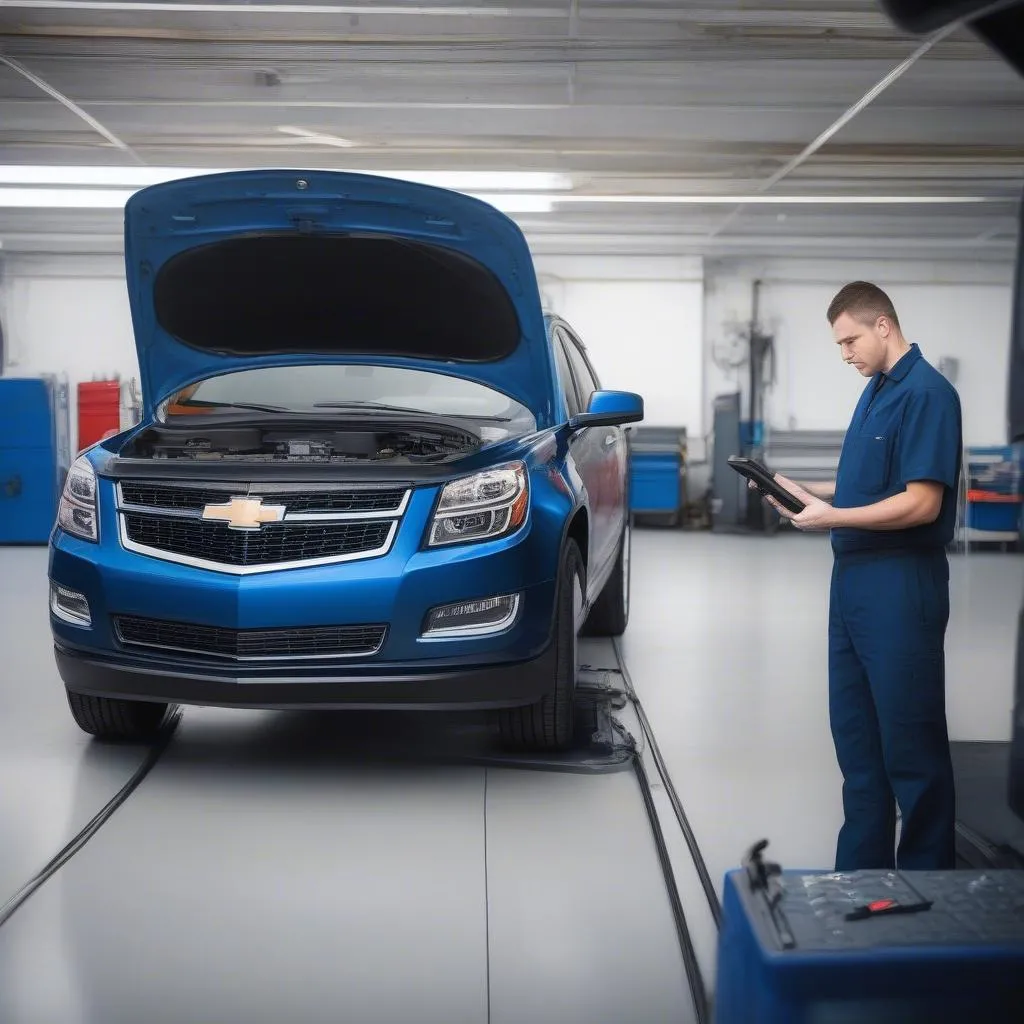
x: 451, y: 688
x: 397, y: 590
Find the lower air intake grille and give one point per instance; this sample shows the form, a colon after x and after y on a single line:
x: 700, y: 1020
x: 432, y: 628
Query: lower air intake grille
x: 250, y: 644
x: 269, y: 545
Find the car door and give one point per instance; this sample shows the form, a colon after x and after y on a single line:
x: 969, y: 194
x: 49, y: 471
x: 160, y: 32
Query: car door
x: 583, y: 455
x: 600, y: 447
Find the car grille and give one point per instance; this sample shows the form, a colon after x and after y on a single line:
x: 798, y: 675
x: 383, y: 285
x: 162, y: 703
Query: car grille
x: 250, y: 644
x: 268, y: 545
x: 319, y: 526
x: 140, y: 493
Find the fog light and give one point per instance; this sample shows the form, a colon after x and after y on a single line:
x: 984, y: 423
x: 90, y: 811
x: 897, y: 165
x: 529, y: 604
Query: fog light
x: 69, y: 605
x: 472, y: 618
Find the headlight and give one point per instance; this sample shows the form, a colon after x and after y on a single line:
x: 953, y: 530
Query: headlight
x: 481, y: 507
x: 77, y: 512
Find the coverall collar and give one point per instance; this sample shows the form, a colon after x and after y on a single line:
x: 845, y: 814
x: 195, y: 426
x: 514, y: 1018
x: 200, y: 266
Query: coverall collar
x: 904, y: 364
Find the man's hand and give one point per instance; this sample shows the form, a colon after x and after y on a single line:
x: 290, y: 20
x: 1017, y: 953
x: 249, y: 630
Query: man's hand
x: 817, y: 514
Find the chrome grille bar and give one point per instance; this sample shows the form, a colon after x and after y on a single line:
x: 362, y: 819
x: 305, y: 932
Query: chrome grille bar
x: 178, y: 547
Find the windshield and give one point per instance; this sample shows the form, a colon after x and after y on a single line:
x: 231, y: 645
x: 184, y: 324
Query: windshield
x: 360, y: 387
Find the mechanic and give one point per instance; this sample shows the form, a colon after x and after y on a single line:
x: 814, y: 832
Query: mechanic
x: 891, y: 517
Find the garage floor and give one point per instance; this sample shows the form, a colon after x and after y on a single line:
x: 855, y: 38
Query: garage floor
x: 261, y: 873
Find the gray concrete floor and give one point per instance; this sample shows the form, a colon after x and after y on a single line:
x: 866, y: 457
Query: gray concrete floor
x: 257, y: 874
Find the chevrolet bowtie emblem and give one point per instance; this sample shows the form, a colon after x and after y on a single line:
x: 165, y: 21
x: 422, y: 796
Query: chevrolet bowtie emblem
x: 244, y: 513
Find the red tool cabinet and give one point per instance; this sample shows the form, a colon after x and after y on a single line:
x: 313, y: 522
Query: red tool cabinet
x: 99, y: 410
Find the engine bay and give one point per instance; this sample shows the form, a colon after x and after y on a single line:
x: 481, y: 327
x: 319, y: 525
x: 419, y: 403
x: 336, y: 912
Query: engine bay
x: 303, y: 444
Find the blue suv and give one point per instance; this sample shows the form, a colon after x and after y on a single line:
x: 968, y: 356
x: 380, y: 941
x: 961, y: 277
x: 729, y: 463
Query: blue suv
x: 371, y: 472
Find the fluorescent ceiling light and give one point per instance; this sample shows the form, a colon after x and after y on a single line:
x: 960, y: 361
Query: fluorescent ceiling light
x: 139, y: 177
x: 56, y: 197
x: 315, y: 137
x: 508, y: 203
x: 290, y: 8
x: 775, y: 200
x: 115, y: 199
x: 485, y: 181
x: 548, y: 187
x: 65, y: 198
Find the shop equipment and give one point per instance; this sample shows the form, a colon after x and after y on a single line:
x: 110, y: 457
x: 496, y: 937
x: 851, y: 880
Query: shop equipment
x: 882, y: 946
x: 657, y: 472
x: 34, y: 456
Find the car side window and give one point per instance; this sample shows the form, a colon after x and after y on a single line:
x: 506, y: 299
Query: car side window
x: 585, y: 377
x: 572, y: 402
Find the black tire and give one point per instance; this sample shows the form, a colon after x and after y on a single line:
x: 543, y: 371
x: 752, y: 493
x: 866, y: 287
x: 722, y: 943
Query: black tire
x: 609, y: 615
x: 549, y: 724
x: 107, y: 718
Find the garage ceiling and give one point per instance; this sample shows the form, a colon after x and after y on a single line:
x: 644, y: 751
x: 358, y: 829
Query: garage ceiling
x: 719, y: 99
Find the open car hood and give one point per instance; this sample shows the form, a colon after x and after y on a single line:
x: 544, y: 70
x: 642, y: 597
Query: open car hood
x: 267, y: 268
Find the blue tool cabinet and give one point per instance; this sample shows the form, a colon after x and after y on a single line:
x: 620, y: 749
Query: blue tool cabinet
x: 656, y: 472
x: 789, y: 956
x: 34, y: 456
x: 994, y: 498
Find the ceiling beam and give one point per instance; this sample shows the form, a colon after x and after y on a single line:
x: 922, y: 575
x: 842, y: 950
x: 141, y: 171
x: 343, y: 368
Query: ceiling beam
x: 69, y: 104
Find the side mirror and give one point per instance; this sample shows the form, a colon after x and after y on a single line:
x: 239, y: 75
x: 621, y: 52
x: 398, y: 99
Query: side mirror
x: 610, y: 408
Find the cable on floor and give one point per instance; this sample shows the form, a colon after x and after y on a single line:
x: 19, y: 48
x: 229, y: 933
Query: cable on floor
x: 684, y: 823
x: 83, y: 837
x: 694, y: 976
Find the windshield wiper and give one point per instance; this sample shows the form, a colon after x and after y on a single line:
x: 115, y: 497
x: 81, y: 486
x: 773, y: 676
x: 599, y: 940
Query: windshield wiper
x: 233, y: 405
x: 382, y: 407
x: 359, y: 404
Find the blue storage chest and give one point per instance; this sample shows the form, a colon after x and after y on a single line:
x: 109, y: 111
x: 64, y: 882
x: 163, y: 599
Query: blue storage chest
x: 34, y: 456
x: 656, y: 471
x: 994, y: 516
x: 796, y: 959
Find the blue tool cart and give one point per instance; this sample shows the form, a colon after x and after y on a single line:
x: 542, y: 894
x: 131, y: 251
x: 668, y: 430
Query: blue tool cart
x: 35, y: 454
x: 657, y: 461
x: 880, y: 946
x: 993, y: 495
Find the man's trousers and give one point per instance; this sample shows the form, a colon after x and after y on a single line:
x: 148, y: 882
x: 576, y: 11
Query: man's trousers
x: 887, y: 623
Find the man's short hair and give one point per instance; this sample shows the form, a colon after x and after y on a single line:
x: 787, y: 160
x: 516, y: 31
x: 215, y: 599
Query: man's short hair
x: 864, y: 301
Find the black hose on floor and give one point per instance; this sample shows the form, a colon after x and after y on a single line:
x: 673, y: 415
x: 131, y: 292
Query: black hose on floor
x: 694, y: 975
x: 83, y: 837
x: 684, y: 823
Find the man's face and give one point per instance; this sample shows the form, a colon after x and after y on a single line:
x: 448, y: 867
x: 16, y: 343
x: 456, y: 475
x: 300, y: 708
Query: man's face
x: 863, y: 345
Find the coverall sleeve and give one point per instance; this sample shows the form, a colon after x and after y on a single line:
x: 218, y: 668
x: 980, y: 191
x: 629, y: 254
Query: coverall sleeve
x: 930, y: 438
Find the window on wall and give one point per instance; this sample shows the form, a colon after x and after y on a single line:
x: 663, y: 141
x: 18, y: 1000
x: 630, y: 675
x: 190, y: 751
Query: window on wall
x: 582, y: 371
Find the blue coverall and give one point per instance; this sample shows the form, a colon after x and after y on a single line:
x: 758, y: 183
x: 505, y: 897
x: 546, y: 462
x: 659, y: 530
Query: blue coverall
x: 889, y: 606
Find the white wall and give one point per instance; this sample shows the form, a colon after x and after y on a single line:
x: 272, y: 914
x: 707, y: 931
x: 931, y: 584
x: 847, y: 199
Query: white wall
x: 954, y: 310
x: 67, y: 315
x: 641, y: 319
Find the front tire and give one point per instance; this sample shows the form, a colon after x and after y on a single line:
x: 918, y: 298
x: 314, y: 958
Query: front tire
x: 549, y: 724
x: 108, y: 718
